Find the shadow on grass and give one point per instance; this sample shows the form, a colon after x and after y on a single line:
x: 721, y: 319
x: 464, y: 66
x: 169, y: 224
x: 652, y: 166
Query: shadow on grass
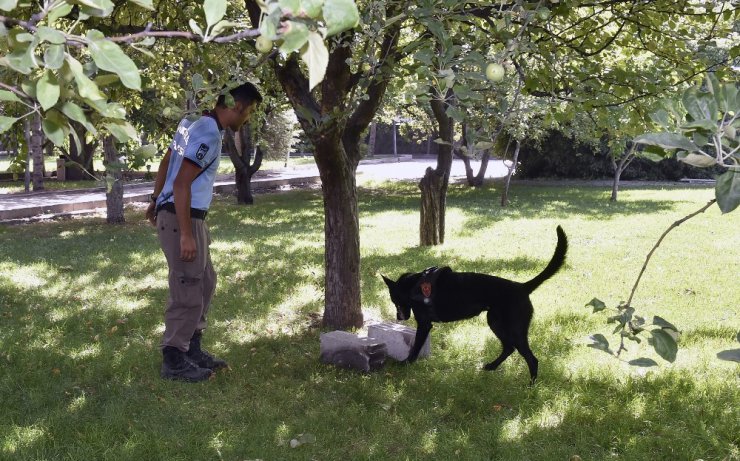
x: 80, y: 368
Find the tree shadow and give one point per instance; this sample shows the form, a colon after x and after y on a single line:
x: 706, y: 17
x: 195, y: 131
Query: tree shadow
x: 81, y: 369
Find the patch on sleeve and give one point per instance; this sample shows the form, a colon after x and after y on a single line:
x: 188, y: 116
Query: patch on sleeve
x: 202, y: 151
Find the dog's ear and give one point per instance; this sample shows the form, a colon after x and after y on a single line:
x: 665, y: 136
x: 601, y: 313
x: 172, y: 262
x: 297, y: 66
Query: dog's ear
x: 388, y: 281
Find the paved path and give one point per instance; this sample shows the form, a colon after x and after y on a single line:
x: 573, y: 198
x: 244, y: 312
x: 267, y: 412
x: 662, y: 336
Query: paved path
x: 38, y: 205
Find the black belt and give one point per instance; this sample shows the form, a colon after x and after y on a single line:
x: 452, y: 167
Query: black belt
x: 195, y: 213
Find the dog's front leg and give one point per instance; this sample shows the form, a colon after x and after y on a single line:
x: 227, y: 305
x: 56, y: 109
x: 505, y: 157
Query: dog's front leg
x: 422, y: 332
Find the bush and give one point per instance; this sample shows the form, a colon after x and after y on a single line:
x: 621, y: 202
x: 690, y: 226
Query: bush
x: 561, y: 157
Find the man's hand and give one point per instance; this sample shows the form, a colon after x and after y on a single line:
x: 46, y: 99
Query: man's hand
x: 150, y: 214
x: 188, y: 248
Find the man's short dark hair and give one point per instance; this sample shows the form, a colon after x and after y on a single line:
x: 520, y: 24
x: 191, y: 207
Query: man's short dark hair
x: 246, y: 93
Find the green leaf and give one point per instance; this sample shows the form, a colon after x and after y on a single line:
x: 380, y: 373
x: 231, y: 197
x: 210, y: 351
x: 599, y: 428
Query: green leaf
x: 106, y: 79
x: 663, y: 323
x: 47, y: 34
x: 728, y: 97
x: 75, y: 112
x: 146, y: 151
x: 59, y: 11
x: 9, y: 96
x: 103, y: 7
x: 54, y: 56
x: 732, y: 355
x: 197, y: 82
x: 667, y: 141
x: 727, y: 190
x: 269, y: 25
x: 340, y: 15
x: 597, y: 304
x: 698, y: 160
x: 195, y: 27
x: 707, y: 125
x: 47, y: 90
x: 643, y: 362
x: 6, y: 123
x: 290, y: 7
x: 316, y: 57
x: 108, y: 110
x: 699, y: 139
x: 22, y: 59
x: 457, y: 114
x: 661, y: 117
x: 599, y: 342
x: 122, y: 130
x: 697, y: 105
x: 222, y: 26
x: 215, y: 11
x: 8, y: 5
x: 86, y: 87
x: 664, y: 344
x: 148, y: 4
x: 295, y: 38
x: 55, y: 127
x: 312, y: 8
x: 109, y: 56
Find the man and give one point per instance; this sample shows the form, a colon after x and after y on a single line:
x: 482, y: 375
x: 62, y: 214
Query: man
x: 182, y: 194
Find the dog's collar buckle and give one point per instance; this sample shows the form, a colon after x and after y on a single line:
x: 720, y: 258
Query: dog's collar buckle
x: 426, y: 290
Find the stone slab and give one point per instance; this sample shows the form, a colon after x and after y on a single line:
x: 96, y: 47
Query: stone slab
x: 347, y: 350
x: 398, y: 339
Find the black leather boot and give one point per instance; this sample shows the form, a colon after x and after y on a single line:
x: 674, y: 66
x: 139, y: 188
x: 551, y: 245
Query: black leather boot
x: 201, y: 357
x: 176, y: 366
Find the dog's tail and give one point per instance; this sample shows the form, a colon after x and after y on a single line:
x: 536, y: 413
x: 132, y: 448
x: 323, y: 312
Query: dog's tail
x: 558, y: 258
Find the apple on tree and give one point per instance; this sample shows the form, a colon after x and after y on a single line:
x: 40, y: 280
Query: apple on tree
x: 495, y: 72
x: 263, y: 44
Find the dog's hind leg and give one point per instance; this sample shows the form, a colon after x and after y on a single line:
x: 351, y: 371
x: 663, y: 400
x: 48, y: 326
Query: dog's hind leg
x: 532, y: 362
x: 506, y: 343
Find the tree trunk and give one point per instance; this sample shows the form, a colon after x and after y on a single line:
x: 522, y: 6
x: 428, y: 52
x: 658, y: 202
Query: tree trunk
x: 114, y: 189
x: 336, y: 142
x: 27, y: 172
x: 470, y: 178
x: 434, y: 184
x: 510, y: 173
x: 433, y: 204
x: 341, y: 239
x: 35, y: 142
x: 240, y: 147
x: 372, y: 138
x: 79, y: 164
x: 482, y: 170
x: 619, y: 168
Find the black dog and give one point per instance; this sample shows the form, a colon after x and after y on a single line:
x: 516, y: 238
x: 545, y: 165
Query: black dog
x: 441, y: 295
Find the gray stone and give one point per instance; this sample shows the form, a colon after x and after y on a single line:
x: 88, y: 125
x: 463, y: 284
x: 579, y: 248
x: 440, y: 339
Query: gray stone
x: 398, y: 339
x: 347, y: 350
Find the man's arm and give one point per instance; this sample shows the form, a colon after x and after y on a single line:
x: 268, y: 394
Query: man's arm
x: 188, y: 172
x: 158, y: 185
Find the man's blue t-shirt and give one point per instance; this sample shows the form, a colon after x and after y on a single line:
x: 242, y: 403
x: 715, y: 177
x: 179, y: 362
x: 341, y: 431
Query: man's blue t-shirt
x: 198, y: 141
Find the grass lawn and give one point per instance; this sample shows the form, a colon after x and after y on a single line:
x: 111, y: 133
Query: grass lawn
x: 81, y: 313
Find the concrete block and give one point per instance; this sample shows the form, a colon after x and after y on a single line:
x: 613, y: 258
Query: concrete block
x: 398, y: 339
x: 347, y: 350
